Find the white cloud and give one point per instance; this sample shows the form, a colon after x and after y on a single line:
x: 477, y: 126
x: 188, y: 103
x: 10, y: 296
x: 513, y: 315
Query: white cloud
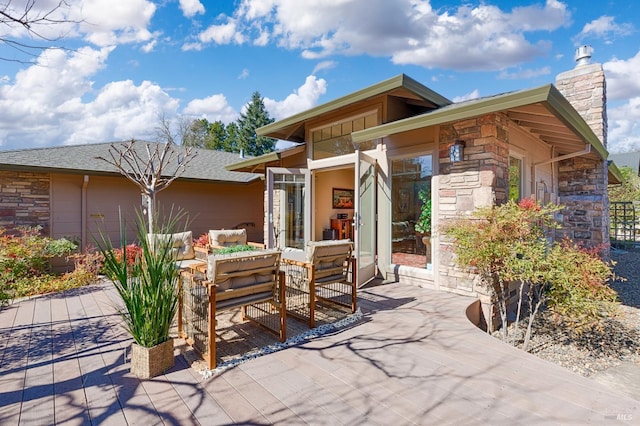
x: 106, y: 22
x: 524, y: 74
x: 483, y: 37
x: 147, y: 48
x: 222, y: 34
x: 604, y: 28
x: 475, y: 94
x: 324, y: 65
x: 303, y: 98
x: 624, y: 127
x: 213, y: 108
x: 244, y: 74
x: 622, y: 77
x: 191, y: 8
x: 64, y: 107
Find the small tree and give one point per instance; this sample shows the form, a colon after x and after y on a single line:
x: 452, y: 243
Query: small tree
x: 256, y: 116
x: 507, y: 245
x: 152, y: 170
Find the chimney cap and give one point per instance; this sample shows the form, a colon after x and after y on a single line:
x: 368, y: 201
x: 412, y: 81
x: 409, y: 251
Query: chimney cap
x: 583, y: 55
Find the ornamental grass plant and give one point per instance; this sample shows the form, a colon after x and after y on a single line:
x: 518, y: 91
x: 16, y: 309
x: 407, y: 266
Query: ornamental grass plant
x: 148, y: 283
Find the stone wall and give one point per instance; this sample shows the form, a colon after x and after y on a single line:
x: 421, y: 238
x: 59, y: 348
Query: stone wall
x: 583, y: 193
x: 583, y: 181
x: 586, y: 89
x: 24, y: 200
x: 478, y: 181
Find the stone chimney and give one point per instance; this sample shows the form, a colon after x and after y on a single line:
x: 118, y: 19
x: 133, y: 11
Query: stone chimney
x: 582, y: 181
x: 585, y: 87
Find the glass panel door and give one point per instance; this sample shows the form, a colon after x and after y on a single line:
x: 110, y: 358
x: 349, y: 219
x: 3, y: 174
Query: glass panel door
x: 365, y: 218
x: 411, y: 211
x: 288, y: 223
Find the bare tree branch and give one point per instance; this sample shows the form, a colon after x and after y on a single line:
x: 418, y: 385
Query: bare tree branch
x: 163, y: 164
x: 32, y: 20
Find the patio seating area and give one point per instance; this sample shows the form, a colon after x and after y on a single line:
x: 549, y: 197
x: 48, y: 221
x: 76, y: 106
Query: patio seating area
x: 413, y: 359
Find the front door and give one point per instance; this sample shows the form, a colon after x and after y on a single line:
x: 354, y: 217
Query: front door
x: 289, y: 209
x: 365, y: 217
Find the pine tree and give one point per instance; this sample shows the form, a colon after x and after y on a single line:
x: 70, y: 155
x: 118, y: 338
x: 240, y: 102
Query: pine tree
x: 255, y: 116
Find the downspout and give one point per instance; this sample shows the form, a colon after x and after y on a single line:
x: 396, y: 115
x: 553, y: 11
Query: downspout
x: 83, y: 213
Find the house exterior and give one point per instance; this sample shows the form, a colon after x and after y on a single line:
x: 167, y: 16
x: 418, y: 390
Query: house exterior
x: 72, y: 194
x: 391, y: 145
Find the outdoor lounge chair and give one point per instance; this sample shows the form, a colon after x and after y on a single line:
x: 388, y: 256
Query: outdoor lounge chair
x: 323, y: 274
x: 250, y: 280
x: 181, y: 247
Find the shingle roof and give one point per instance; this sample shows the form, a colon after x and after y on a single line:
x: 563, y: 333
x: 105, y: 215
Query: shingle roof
x: 207, y: 164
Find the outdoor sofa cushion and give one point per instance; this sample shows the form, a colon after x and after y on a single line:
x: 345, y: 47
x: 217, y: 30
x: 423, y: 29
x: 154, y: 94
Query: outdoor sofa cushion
x: 227, y: 237
x: 181, y: 244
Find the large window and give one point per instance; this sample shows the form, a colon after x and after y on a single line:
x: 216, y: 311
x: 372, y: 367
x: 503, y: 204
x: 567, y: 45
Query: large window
x: 335, y: 139
x: 411, y: 211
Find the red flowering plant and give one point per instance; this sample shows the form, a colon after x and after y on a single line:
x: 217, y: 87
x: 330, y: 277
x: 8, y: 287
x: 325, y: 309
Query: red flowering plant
x: 201, y: 241
x: 131, y: 253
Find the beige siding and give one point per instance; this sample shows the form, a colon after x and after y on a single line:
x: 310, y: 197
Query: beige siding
x: 208, y: 205
x: 66, y: 206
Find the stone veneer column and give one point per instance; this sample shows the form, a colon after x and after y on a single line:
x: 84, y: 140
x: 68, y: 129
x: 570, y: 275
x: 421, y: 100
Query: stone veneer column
x: 583, y: 181
x: 24, y: 200
x: 481, y: 179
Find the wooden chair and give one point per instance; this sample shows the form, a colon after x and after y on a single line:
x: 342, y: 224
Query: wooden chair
x: 249, y: 280
x: 323, y: 274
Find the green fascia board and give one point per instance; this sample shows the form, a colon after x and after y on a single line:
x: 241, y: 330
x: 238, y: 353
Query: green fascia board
x: 255, y: 161
x: 400, y: 81
x: 615, y: 171
x: 266, y: 158
x: 547, y: 95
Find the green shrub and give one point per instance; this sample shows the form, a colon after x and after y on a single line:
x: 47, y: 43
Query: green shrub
x: 579, y: 290
x: 234, y: 249
x: 24, y: 262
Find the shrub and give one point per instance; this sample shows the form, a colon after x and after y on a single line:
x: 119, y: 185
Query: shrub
x: 579, y: 290
x: 234, y: 249
x: 24, y: 262
x: 507, y: 244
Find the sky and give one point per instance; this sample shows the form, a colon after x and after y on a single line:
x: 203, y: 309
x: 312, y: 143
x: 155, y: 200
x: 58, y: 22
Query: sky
x: 127, y: 65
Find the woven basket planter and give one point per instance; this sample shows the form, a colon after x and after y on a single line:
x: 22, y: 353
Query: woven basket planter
x: 151, y: 362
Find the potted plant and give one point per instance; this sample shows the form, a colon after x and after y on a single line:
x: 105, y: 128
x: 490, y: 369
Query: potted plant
x: 148, y: 285
x: 423, y: 224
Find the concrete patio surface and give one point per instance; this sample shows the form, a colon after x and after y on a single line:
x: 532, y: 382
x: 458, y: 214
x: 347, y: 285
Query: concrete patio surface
x: 413, y: 359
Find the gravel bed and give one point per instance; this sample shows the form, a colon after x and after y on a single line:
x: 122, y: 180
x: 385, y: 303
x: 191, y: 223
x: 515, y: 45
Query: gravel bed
x: 617, y: 341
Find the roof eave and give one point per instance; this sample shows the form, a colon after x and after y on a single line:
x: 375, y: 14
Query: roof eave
x: 265, y: 158
x: 396, y: 82
x: 615, y: 175
x: 547, y: 95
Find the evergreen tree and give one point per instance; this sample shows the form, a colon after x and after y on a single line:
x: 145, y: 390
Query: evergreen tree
x: 255, y: 116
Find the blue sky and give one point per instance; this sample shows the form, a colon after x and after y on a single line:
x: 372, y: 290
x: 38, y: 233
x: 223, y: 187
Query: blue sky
x: 129, y: 63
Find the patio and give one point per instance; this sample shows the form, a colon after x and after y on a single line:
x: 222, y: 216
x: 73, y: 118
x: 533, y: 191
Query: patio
x: 413, y: 359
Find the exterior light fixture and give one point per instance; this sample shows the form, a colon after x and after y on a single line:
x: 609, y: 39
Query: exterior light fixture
x: 456, y: 151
